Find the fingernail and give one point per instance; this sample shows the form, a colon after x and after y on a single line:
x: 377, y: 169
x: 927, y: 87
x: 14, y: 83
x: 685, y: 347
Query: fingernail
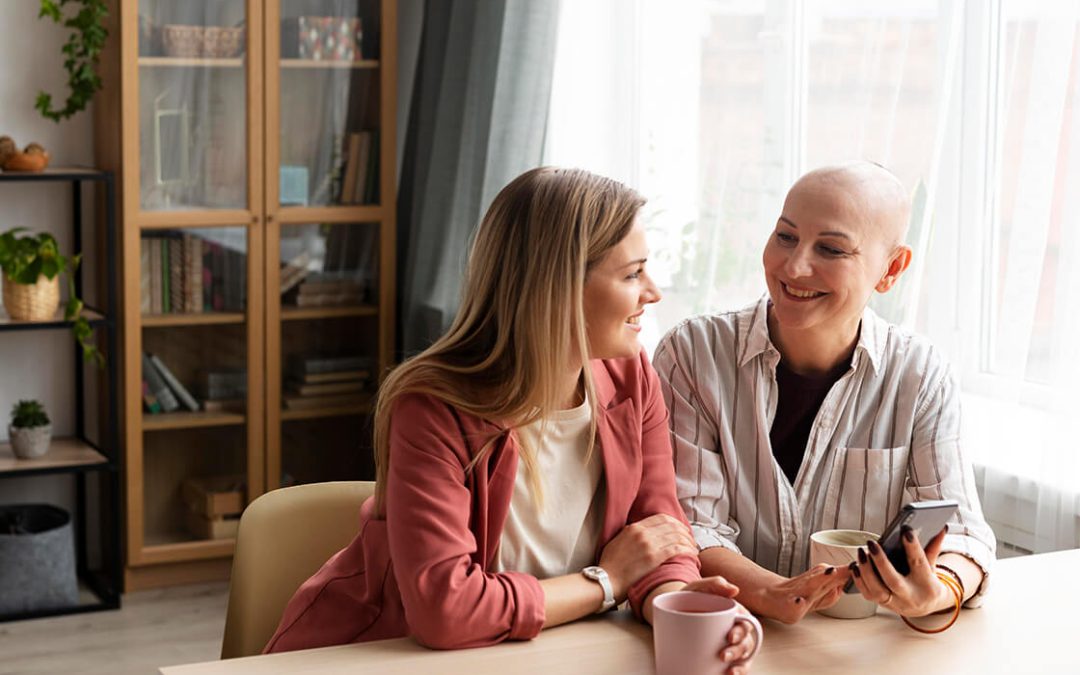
x: 856, y: 572
x: 830, y: 571
x: 862, y: 556
x: 874, y: 548
x: 853, y: 567
x: 908, y: 533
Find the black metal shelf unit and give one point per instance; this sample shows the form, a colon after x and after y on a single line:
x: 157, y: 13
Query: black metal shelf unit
x: 98, y: 558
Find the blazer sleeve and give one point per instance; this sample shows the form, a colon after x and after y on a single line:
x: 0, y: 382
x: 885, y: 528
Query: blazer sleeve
x: 657, y: 491
x: 449, y: 600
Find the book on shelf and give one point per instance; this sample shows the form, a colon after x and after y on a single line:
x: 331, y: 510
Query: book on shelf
x: 231, y: 405
x: 300, y: 366
x: 329, y: 300
x: 174, y: 384
x: 155, y: 274
x: 320, y: 402
x: 327, y: 388
x: 176, y: 275
x: 324, y: 283
x: 149, y: 400
x: 158, y: 388
x: 144, y: 280
x: 216, y: 385
x: 352, y: 159
x: 294, y: 271
x: 337, y: 376
x: 371, y: 182
x: 193, y: 274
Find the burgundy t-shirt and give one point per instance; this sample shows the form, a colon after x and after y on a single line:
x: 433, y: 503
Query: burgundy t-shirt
x: 798, y: 399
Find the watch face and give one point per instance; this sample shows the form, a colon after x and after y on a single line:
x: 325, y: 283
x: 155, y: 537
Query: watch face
x: 593, y: 572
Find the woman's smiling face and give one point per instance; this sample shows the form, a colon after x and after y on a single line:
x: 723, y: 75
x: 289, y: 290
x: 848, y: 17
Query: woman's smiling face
x: 825, y: 258
x: 616, y: 292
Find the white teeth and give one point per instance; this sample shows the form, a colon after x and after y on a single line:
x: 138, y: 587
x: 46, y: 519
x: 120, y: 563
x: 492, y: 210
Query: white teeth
x: 634, y: 320
x: 802, y: 294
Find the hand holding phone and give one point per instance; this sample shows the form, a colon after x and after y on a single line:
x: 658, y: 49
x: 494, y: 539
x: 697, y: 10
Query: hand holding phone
x: 925, y: 518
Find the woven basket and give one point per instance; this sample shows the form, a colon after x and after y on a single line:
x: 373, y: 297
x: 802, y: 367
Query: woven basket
x: 36, y: 302
x: 182, y: 41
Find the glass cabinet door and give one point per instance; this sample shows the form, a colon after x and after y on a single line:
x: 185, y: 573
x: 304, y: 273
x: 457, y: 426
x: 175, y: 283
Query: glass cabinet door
x: 328, y: 350
x: 328, y: 90
x: 195, y: 383
x: 192, y: 104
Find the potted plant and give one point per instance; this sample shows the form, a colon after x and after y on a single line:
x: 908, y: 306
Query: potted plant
x: 30, y: 429
x: 30, y: 266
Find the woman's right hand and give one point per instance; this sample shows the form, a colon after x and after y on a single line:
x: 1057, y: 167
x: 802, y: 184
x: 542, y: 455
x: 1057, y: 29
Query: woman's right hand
x: 789, y: 600
x: 641, y: 547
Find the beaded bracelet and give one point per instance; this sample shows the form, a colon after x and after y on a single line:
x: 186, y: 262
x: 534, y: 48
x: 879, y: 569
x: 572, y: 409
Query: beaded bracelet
x: 958, y: 595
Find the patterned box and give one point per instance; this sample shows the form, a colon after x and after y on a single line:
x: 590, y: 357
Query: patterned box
x: 329, y: 38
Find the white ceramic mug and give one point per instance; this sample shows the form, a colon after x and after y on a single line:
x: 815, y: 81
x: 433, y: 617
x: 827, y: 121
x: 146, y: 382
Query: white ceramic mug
x: 840, y: 548
x: 690, y: 630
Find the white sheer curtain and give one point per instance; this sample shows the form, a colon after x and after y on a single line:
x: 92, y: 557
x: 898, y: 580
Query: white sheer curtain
x: 713, y: 107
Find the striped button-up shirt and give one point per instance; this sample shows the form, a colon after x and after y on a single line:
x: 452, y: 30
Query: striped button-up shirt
x: 887, y: 433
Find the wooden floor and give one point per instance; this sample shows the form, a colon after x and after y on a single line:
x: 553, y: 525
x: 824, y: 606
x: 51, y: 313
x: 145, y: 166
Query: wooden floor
x: 153, y: 629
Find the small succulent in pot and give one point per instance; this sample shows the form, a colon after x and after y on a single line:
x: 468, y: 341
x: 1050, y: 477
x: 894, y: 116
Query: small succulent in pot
x: 30, y: 429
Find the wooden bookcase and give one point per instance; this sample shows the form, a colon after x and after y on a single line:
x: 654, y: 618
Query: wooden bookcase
x: 232, y: 158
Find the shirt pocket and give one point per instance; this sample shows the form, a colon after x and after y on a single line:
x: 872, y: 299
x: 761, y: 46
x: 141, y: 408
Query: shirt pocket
x: 865, y: 488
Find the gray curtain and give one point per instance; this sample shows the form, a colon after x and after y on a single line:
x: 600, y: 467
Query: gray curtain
x: 477, y: 119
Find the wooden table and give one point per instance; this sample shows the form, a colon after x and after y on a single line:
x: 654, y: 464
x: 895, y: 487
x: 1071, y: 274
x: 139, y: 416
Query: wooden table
x: 1028, y: 624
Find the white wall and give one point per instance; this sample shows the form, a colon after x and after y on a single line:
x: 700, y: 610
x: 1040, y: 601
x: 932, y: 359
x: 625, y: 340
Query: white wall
x: 37, y: 365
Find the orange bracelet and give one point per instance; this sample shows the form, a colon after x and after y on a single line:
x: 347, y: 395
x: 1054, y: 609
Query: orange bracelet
x: 958, y: 595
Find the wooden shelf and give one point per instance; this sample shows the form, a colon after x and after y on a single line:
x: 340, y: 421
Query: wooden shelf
x: 204, y: 319
x: 324, y: 64
x: 64, y: 453
x: 180, y: 546
x: 190, y: 420
x: 183, y: 62
x: 288, y: 414
x: 58, y: 321
x: 289, y: 313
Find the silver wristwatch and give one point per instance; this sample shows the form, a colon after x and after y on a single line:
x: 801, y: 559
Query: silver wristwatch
x: 598, y: 575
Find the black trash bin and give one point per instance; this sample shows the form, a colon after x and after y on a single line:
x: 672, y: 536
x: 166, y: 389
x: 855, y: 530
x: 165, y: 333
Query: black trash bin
x: 37, y: 559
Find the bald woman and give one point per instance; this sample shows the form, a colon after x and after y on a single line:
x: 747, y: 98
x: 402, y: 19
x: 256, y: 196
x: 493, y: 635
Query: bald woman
x: 806, y: 411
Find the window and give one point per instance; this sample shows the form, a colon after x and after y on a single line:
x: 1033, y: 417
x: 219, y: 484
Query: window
x: 712, y: 108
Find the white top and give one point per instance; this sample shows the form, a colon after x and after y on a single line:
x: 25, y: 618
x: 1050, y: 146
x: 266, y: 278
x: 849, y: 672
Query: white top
x: 560, y: 537
x: 887, y: 433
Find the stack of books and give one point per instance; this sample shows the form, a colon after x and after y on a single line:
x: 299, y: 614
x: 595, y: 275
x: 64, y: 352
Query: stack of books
x: 314, y: 382
x: 163, y: 392
x: 186, y: 274
x: 329, y: 289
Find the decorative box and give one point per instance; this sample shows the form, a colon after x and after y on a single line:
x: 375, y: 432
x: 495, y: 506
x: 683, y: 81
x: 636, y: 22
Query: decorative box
x: 323, y: 38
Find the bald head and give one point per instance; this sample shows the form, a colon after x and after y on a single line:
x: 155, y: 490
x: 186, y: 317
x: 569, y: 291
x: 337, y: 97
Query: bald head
x: 863, y: 191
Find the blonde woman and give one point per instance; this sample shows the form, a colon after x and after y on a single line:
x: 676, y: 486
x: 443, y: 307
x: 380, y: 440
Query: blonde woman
x: 524, y: 464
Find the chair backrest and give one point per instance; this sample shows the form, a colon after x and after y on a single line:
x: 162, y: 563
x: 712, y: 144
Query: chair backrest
x: 285, y: 536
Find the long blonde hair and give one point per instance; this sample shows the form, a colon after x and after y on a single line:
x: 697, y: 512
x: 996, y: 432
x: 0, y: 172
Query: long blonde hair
x: 521, y: 319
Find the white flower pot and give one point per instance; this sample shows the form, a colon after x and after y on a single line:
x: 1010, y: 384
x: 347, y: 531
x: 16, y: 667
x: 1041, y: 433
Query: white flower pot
x: 30, y: 442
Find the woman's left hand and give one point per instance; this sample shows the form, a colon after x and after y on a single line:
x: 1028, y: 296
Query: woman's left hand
x: 919, y: 593
x: 741, y: 642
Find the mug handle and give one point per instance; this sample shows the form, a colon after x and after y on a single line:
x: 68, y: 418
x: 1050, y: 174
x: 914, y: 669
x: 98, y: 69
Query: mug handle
x: 755, y: 625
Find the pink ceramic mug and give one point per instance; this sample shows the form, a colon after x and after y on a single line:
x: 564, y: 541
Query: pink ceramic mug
x: 690, y: 629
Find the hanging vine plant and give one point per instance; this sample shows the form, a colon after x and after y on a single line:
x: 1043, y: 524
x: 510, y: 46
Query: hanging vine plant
x: 81, y: 52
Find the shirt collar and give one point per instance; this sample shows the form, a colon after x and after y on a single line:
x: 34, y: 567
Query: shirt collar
x: 754, y: 327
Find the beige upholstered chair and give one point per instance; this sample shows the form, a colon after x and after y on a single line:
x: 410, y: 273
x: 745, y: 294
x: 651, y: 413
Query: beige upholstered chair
x: 285, y: 536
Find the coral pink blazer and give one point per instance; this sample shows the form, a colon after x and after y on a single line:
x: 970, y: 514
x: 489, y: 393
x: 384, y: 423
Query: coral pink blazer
x: 426, y: 569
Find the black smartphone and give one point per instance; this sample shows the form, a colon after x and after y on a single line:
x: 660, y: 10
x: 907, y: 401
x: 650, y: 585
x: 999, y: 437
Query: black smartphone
x: 926, y: 519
